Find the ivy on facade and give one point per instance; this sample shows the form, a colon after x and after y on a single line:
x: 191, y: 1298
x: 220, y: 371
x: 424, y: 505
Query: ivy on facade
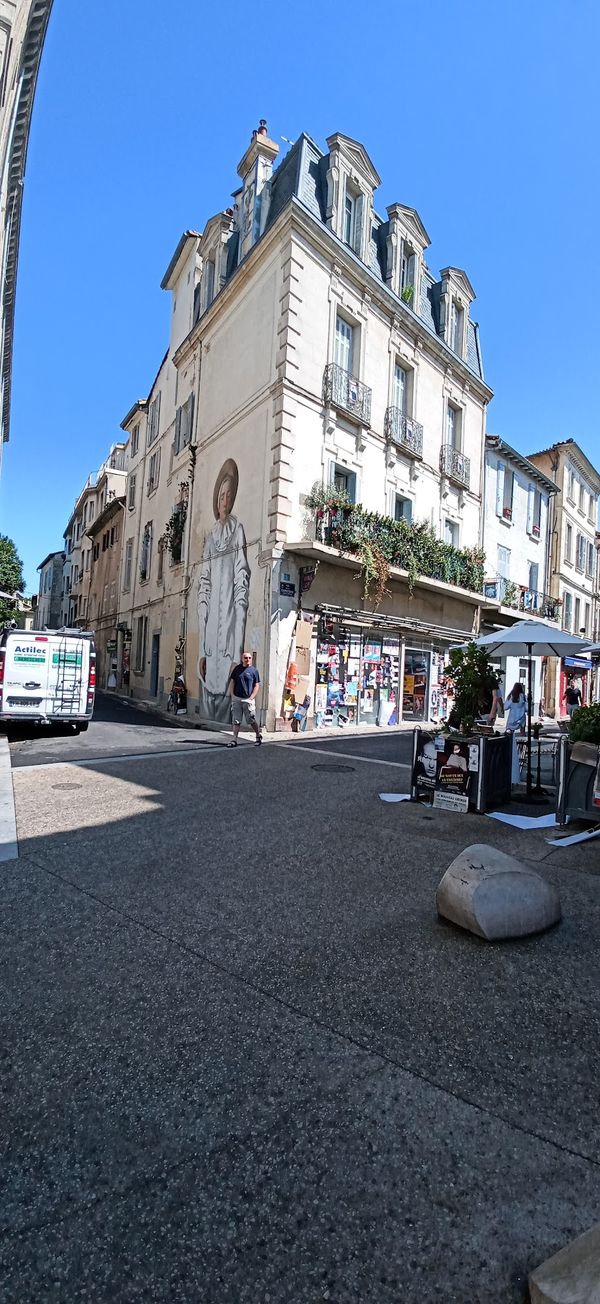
x: 380, y: 542
x: 172, y: 537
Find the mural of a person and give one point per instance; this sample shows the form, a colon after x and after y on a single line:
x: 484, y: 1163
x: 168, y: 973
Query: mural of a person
x: 223, y: 588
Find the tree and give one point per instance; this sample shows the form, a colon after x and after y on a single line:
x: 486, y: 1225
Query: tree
x: 11, y: 578
x: 474, y: 680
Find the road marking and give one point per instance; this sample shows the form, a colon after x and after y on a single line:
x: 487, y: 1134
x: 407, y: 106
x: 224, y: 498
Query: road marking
x: 9, y: 847
x: 126, y: 756
x: 348, y: 756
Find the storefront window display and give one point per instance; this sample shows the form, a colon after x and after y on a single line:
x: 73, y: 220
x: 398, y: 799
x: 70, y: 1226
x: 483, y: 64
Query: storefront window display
x: 357, y: 678
x: 417, y: 672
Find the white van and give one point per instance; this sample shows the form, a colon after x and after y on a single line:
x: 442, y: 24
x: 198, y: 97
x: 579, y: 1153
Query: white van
x: 48, y: 676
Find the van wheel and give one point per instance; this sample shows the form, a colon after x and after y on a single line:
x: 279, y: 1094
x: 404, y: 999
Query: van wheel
x: 81, y: 728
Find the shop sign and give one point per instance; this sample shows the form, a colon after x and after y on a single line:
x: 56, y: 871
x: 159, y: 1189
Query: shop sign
x: 579, y: 663
x: 445, y: 766
x: 451, y: 801
x: 287, y: 589
x: 111, y: 645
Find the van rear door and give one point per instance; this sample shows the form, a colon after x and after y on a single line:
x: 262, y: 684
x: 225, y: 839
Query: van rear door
x: 26, y: 668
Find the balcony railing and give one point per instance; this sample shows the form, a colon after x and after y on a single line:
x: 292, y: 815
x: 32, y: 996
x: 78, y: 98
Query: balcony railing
x: 403, y: 431
x: 522, y: 599
x: 342, y: 390
x: 455, y: 465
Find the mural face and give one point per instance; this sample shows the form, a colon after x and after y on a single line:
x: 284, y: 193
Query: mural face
x: 223, y: 589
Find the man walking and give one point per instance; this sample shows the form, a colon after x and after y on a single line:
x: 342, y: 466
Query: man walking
x: 244, y: 683
x: 572, y: 698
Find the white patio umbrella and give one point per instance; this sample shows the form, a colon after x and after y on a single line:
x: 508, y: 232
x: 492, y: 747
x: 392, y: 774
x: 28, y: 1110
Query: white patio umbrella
x: 527, y: 638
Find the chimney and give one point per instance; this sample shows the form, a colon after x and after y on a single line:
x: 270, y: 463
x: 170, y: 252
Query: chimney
x: 255, y: 170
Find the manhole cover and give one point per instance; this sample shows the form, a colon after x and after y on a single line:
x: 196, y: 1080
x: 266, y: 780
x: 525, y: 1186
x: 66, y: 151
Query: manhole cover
x: 67, y: 787
x: 333, y: 769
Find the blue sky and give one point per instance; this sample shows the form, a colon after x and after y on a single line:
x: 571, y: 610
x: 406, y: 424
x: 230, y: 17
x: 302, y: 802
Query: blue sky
x: 484, y: 117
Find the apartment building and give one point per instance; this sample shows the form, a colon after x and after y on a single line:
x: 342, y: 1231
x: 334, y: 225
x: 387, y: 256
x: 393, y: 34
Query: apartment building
x: 310, y: 344
x: 23, y: 25
x: 102, y: 599
x: 516, y: 536
x: 48, y: 610
x: 572, y: 557
x: 99, y: 489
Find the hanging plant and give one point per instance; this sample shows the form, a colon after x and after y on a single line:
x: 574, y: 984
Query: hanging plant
x: 374, y: 572
x: 173, y: 535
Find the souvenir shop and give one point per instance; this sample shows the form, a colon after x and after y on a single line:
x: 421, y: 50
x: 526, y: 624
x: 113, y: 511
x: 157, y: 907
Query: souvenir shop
x: 380, y: 676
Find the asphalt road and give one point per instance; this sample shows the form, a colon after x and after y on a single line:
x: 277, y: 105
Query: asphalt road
x: 242, y: 1058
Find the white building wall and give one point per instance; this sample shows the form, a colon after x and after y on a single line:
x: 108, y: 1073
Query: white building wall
x: 525, y: 548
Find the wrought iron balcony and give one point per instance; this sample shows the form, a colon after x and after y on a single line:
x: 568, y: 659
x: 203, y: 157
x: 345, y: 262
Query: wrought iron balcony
x: 522, y: 599
x: 455, y: 465
x: 342, y: 390
x: 403, y: 431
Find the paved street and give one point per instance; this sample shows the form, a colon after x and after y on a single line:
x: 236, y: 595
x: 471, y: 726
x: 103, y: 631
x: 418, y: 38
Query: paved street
x: 244, y: 1060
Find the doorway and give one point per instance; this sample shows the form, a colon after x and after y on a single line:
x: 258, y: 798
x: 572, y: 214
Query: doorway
x: 155, y: 656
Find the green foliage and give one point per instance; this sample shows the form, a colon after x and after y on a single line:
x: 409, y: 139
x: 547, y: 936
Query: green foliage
x: 11, y: 578
x: 408, y: 294
x: 173, y: 535
x: 473, y: 680
x: 410, y: 545
x: 584, y: 726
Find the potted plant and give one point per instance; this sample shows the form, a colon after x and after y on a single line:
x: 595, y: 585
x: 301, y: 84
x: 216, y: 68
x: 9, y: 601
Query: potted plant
x: 474, y: 680
x: 583, y: 758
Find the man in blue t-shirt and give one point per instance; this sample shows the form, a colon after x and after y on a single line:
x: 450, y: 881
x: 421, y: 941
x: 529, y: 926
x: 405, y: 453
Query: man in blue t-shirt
x: 244, y: 683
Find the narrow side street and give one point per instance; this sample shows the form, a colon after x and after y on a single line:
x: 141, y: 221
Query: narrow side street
x: 244, y: 1057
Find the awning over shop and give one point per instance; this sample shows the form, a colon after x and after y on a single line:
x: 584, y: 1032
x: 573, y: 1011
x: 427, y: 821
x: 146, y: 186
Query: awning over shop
x: 401, y: 625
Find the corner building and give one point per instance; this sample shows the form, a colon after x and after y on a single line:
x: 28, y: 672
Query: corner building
x: 310, y: 345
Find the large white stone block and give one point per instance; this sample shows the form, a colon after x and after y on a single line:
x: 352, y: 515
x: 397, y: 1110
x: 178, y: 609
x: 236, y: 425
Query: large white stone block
x: 496, y: 896
x: 572, y: 1276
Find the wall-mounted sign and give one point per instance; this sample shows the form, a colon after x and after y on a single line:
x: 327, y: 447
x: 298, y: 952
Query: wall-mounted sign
x: 287, y: 589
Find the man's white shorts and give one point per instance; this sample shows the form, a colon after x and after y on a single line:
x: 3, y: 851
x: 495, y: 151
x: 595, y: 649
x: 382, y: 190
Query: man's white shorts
x: 243, y: 706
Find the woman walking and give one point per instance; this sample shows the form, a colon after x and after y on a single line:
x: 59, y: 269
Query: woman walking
x: 516, y: 704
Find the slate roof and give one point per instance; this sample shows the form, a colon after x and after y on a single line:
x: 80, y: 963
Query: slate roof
x: 302, y: 174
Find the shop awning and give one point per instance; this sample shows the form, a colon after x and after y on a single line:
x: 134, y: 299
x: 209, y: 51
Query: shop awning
x: 401, y: 625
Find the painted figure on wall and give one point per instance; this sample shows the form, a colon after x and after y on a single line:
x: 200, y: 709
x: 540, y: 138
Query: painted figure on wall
x: 222, y: 598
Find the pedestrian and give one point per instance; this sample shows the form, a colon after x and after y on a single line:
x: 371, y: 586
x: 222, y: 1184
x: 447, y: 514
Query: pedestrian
x: 517, y: 708
x: 572, y: 698
x: 244, y: 683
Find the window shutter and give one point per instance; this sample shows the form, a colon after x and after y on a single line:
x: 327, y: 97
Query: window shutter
x: 530, y: 508
x: 190, y: 417
x: 500, y: 476
x: 359, y: 222
x: 178, y: 429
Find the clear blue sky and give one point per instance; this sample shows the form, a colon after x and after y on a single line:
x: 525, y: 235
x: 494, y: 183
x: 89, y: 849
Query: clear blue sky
x: 485, y: 117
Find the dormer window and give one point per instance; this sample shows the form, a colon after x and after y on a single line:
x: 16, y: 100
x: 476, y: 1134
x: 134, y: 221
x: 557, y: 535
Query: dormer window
x: 407, y: 273
x: 457, y: 324
x: 209, y: 282
x: 353, y: 218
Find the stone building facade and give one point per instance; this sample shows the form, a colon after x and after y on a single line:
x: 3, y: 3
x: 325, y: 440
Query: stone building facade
x: 23, y: 25
x: 99, y: 489
x: 310, y: 345
x: 48, y: 610
x: 102, y: 597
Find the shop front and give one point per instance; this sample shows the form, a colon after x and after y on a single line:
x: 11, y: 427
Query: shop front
x: 373, y: 676
x: 575, y: 672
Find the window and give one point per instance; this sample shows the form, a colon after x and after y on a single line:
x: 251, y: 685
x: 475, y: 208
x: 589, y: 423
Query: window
x: 534, y: 571
x: 209, y: 282
x: 87, y: 558
x: 344, y: 344
x: 135, y: 440
x: 589, y: 565
x: 457, y: 320
x: 401, y: 389
x: 453, y: 431
x: 146, y: 552
x: 592, y: 511
x: 577, y: 618
x: 131, y: 493
x: 580, y: 553
x: 503, y: 562
x: 105, y: 540
x: 153, y: 420
x: 349, y: 217
x: 534, y: 511
x: 183, y: 424
x: 587, y: 619
x: 160, y: 561
x: 581, y: 497
x: 569, y: 543
x: 567, y: 609
x: 571, y: 486
x: 96, y: 551
x: 402, y: 508
x: 141, y: 632
x: 345, y: 482
x: 407, y: 273
x: 451, y: 533
x: 153, y: 471
x: 127, y: 564
x: 505, y: 484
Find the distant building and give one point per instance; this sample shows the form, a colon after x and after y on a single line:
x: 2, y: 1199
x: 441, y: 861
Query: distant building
x: 102, y: 604
x: 48, y: 612
x: 572, y: 558
x: 516, y: 517
x: 98, y: 490
x: 23, y: 26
